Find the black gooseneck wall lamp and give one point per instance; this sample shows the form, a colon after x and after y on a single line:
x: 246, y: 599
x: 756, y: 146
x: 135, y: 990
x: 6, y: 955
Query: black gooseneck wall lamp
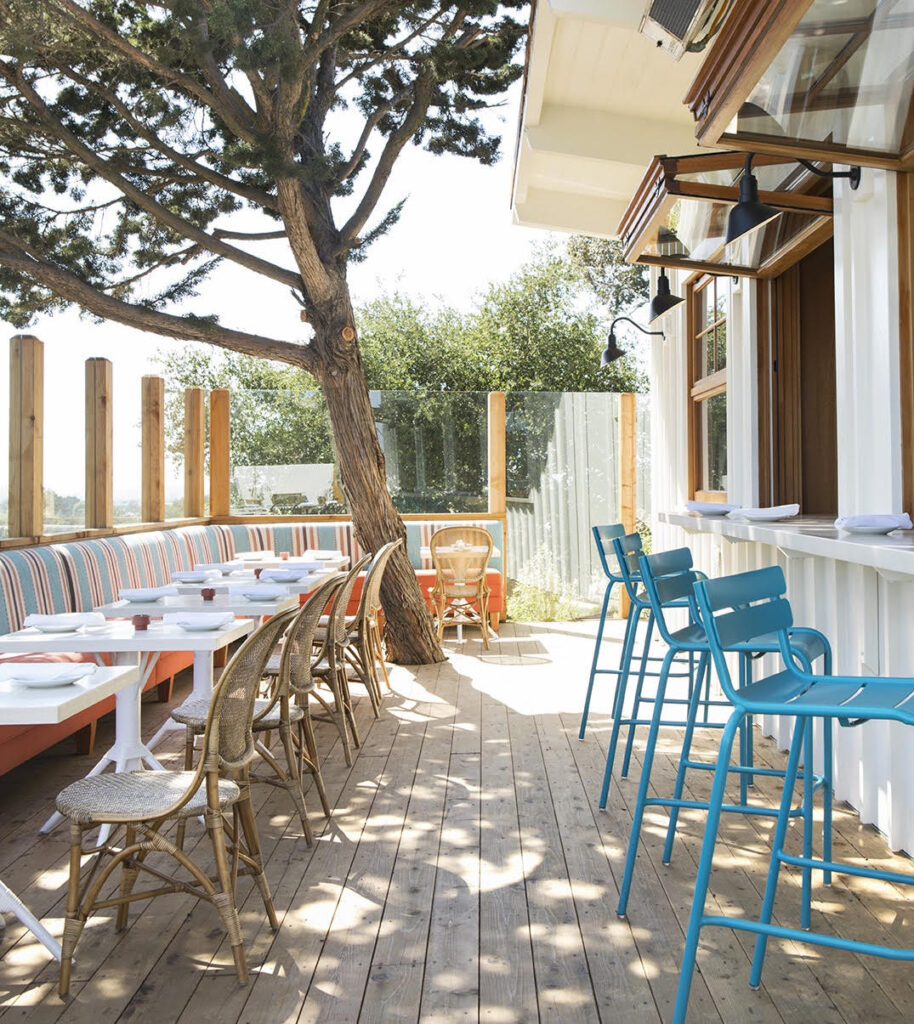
x: 663, y: 301
x: 612, y: 350
x: 749, y: 214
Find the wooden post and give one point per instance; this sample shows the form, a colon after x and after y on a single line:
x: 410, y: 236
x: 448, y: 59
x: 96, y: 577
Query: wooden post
x: 497, y: 476
x: 26, y: 454
x: 194, y: 452
x: 99, y: 444
x: 628, y: 479
x: 153, y: 449
x: 219, y: 462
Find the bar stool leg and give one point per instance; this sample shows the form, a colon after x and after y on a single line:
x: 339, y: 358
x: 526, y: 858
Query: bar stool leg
x: 596, y: 657
x: 618, y: 710
x: 639, y: 689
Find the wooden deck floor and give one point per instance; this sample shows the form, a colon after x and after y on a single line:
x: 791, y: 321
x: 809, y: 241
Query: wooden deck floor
x: 466, y: 875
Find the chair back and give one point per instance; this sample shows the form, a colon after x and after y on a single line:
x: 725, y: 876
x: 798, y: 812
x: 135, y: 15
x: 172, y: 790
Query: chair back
x: 229, y: 740
x: 669, y: 581
x: 297, y: 649
x: 336, y: 626
x: 736, y: 609
x: 603, y: 537
x: 371, y: 592
x: 460, y: 555
x: 629, y: 549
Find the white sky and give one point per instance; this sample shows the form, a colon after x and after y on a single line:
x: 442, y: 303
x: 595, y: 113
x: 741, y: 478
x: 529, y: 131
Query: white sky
x: 455, y: 236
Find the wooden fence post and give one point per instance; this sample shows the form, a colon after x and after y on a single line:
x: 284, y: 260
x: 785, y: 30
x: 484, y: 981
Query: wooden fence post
x: 497, y: 474
x: 153, y: 449
x: 99, y: 444
x: 219, y: 462
x: 628, y: 477
x: 194, y: 452
x: 26, y: 445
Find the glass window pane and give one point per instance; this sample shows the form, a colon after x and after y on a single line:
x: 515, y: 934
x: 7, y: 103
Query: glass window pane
x: 714, y: 443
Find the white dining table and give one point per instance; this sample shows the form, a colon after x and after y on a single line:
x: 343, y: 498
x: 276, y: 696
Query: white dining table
x: 25, y: 705
x: 248, y: 581
x: 228, y: 600
x: 139, y: 649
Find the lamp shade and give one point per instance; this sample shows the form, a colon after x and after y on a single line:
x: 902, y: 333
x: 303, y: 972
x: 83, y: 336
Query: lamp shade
x: 749, y: 213
x: 663, y: 301
x: 611, y: 352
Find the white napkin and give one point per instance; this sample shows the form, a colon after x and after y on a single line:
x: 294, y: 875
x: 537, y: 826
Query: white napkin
x: 223, y: 567
x: 251, y: 556
x: 711, y: 507
x: 776, y: 511
x: 203, y: 620
x: 322, y: 554
x: 73, y: 619
x: 876, y: 521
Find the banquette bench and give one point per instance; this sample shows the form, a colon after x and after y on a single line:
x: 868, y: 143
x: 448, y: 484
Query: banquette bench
x: 79, y: 575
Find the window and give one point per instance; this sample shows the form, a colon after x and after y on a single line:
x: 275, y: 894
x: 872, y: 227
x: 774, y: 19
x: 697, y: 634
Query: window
x: 708, y: 388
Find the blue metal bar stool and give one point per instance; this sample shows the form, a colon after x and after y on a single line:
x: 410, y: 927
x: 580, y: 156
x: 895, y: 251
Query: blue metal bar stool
x: 733, y: 610
x: 628, y: 550
x: 603, y: 536
x: 669, y: 578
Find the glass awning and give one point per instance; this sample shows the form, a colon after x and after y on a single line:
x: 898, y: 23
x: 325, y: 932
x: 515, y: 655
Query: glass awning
x: 678, y: 217
x: 826, y: 79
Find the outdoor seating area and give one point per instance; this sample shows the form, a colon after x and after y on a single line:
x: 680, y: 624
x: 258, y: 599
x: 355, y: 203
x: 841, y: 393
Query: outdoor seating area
x: 464, y: 871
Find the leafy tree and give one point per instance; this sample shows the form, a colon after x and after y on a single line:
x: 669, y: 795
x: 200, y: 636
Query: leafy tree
x: 143, y: 143
x: 620, y: 286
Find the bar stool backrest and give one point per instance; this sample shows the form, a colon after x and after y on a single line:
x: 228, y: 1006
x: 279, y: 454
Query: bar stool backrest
x: 604, y: 537
x: 669, y: 581
x: 738, y: 608
x: 628, y: 550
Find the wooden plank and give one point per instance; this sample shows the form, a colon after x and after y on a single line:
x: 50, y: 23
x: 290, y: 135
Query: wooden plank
x: 194, y: 452
x: 219, y: 452
x: 497, y: 459
x: 99, y: 443
x: 153, y: 449
x: 26, y: 443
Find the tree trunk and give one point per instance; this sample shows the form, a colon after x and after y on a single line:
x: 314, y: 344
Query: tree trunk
x: 410, y: 636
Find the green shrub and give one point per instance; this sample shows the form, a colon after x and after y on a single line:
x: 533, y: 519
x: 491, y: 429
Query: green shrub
x: 540, y: 594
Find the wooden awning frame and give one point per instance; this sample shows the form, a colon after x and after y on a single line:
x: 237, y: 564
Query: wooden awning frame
x: 660, y: 188
x: 749, y: 41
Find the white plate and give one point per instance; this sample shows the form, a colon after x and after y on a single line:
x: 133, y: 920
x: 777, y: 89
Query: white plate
x: 140, y: 595
x: 63, y: 627
x: 873, y: 530
x: 200, y: 627
x: 762, y: 517
x: 264, y: 593
x: 284, y: 575
x: 44, y: 679
x: 189, y: 576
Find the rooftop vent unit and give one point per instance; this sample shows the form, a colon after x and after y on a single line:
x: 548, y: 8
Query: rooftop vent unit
x: 678, y: 26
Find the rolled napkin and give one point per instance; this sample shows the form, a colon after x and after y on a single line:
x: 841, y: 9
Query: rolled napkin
x: 773, y: 513
x: 65, y: 620
x: 199, y: 620
x: 875, y: 522
x: 711, y: 508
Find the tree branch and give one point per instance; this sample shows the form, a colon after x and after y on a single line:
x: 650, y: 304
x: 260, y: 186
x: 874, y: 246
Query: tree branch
x: 15, y: 256
x: 232, y: 108
x: 370, y: 126
x: 395, y: 143
x: 161, y: 213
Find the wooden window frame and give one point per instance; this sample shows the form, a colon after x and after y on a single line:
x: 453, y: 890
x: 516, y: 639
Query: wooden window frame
x: 701, y: 388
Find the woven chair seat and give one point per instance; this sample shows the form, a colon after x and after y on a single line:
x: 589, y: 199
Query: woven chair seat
x: 136, y: 796
x: 194, y: 710
x: 323, y: 670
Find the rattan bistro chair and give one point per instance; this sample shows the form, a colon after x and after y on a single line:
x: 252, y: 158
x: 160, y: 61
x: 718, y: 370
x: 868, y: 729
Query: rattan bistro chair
x: 460, y: 596
x: 329, y: 663
x: 276, y: 712
x: 146, y: 802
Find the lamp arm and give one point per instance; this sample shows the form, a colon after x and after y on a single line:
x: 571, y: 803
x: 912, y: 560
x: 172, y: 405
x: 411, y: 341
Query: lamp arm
x: 852, y: 173
x: 628, y: 319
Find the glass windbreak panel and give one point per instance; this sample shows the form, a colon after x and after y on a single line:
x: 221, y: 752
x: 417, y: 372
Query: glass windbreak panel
x: 281, y: 454
x: 436, y: 449
x: 714, y: 442
x: 843, y: 77
x: 694, y: 230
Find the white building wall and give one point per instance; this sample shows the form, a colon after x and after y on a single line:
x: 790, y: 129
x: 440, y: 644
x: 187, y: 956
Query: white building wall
x: 866, y: 614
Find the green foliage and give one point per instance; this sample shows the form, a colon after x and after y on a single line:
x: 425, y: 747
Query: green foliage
x: 618, y: 285
x: 540, y: 594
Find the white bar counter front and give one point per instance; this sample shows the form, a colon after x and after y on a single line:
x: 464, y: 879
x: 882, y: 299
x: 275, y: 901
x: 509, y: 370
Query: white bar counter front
x: 859, y: 590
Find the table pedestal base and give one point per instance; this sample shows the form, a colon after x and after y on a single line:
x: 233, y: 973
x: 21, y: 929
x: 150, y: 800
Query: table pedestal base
x: 11, y: 904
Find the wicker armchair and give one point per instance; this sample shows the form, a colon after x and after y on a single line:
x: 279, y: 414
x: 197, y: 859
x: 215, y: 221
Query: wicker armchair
x: 145, y: 802
x: 460, y: 596
x: 329, y: 663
